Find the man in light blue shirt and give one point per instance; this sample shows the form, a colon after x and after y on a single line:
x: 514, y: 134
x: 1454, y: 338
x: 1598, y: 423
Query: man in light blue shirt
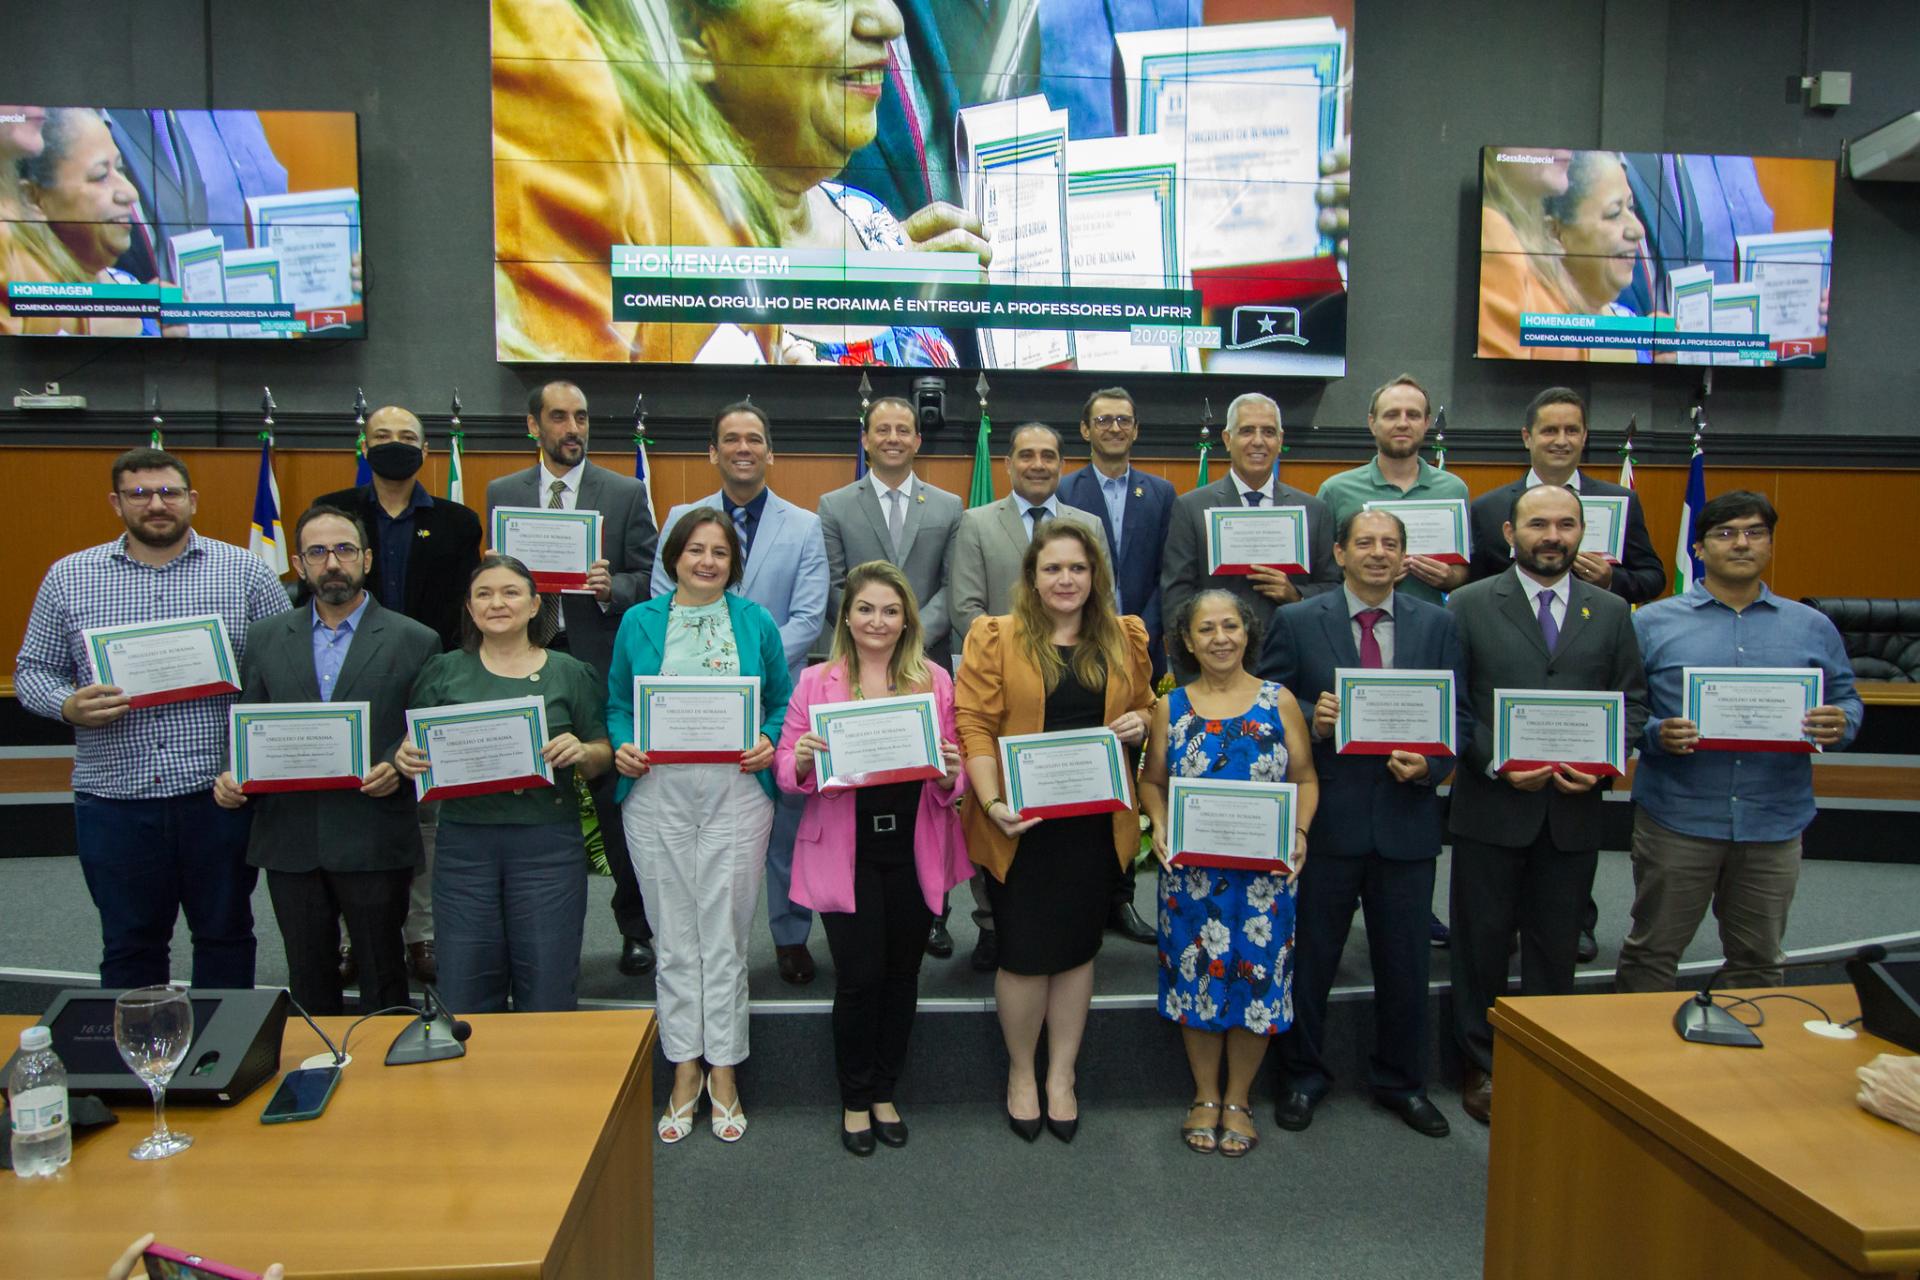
x: 1719, y: 827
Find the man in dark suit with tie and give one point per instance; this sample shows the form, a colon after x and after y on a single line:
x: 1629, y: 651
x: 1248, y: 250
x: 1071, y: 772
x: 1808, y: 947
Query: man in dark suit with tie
x: 1377, y: 832
x: 1134, y: 509
x: 1253, y: 438
x: 1555, y: 435
x: 346, y: 854
x: 563, y: 476
x: 1525, y: 841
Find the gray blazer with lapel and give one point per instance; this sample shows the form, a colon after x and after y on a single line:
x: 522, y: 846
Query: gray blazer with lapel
x: 855, y: 529
x: 627, y: 539
x: 984, y: 562
x: 1501, y: 648
x: 338, y: 830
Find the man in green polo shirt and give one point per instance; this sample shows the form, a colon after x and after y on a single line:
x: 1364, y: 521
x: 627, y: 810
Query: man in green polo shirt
x: 1398, y: 416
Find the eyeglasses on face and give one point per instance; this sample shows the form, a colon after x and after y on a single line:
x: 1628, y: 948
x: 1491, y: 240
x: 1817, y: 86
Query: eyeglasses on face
x: 1727, y: 535
x: 317, y: 556
x: 1108, y: 420
x: 141, y: 496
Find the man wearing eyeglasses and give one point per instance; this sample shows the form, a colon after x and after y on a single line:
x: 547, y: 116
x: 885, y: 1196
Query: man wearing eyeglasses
x: 1722, y: 827
x: 152, y: 841
x: 1135, y: 509
x: 346, y: 854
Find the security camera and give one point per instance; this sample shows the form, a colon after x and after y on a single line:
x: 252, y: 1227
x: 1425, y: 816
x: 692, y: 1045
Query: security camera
x: 930, y: 403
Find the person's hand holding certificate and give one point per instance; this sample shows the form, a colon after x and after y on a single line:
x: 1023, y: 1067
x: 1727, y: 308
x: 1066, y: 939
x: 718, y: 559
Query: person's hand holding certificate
x: 1752, y: 708
x: 875, y: 741
x: 477, y: 748
x: 695, y: 719
x: 1240, y: 539
x: 1059, y: 775
x: 1606, y: 532
x: 1384, y: 711
x: 1248, y: 826
x: 1536, y: 730
x: 153, y: 663
x: 558, y: 547
x: 299, y: 746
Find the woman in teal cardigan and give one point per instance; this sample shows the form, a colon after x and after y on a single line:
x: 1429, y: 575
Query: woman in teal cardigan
x: 698, y: 832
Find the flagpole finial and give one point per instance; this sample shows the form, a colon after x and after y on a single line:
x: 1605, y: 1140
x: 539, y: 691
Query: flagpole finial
x: 455, y: 413
x: 267, y: 405
x: 1440, y: 437
x: 639, y: 408
x: 980, y: 389
x: 866, y: 389
x: 154, y: 437
x: 359, y: 407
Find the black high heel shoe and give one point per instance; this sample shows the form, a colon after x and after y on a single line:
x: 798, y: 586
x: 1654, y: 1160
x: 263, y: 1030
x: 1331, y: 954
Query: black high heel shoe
x: 1063, y: 1129
x: 1029, y: 1130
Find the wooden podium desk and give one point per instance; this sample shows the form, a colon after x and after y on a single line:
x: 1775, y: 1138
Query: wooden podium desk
x: 1620, y: 1150
x: 531, y: 1156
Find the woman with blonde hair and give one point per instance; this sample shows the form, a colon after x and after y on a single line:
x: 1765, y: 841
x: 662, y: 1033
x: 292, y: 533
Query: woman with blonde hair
x: 1063, y: 659
x: 1520, y: 266
x: 873, y: 860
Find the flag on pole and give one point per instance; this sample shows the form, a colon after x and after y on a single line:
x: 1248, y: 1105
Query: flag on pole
x: 154, y: 437
x: 456, y: 461
x: 860, y: 430
x: 268, y: 539
x: 980, y: 491
x: 1687, y: 568
x: 1206, y: 440
x: 1626, y: 453
x: 1440, y: 439
x: 641, y: 471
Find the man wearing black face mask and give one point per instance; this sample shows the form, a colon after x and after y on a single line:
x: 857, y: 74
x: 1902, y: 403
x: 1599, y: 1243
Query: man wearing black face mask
x: 420, y: 552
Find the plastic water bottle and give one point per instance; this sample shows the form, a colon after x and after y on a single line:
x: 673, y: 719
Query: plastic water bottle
x: 37, y: 1098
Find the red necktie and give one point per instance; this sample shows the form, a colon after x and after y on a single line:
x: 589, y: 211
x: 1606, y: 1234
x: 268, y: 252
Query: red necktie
x: 1369, y: 645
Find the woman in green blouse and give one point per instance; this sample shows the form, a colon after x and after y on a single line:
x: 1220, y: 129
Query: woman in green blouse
x: 698, y: 832
x: 510, y: 871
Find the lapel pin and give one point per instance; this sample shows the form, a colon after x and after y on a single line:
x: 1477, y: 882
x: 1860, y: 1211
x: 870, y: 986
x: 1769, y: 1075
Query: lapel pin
x: 1139, y: 491
x: 1585, y: 612
x: 920, y: 497
x: 424, y: 533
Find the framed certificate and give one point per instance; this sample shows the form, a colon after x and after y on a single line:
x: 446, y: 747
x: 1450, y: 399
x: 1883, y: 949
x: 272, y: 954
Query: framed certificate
x: 876, y: 740
x: 477, y: 748
x: 1241, y: 538
x: 1059, y: 775
x: 299, y: 746
x: 155, y: 663
x: 695, y: 719
x: 556, y: 546
x: 1606, y: 519
x: 1752, y: 708
x: 1536, y: 727
x: 1436, y: 527
x: 1247, y: 826
x: 316, y: 234
x: 1385, y: 711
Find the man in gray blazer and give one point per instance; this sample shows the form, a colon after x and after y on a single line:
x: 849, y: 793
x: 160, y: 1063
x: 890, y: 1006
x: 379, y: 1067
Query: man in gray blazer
x: 346, y: 854
x: 893, y: 515
x: 992, y: 540
x: 1253, y: 438
x: 564, y: 477
x: 1525, y: 841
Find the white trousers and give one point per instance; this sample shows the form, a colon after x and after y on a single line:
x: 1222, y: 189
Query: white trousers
x: 698, y: 837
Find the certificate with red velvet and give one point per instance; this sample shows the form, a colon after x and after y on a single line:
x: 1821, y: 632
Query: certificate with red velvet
x: 155, y: 663
x: 477, y: 748
x: 1060, y: 775
x: 557, y: 546
x: 876, y: 740
x: 1241, y: 539
x: 1383, y: 711
x: 1752, y: 708
x: 1247, y: 826
x: 1581, y: 730
x: 298, y: 746
x: 695, y: 719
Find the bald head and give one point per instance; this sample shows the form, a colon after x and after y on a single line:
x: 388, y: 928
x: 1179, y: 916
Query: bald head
x: 1557, y: 497
x: 390, y: 424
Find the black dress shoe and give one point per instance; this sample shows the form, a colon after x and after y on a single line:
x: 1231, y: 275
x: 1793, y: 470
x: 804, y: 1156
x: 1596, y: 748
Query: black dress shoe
x: 986, y: 958
x: 1029, y: 1130
x: 892, y: 1133
x: 796, y: 964
x: 1420, y: 1114
x: 636, y: 957
x: 1294, y: 1110
x: 1126, y: 922
x: 939, y: 941
x: 1587, y: 949
x: 859, y: 1142
x: 349, y: 967
x: 1063, y: 1129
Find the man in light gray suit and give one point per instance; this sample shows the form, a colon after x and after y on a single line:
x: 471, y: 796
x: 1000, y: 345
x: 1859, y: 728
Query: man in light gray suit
x: 1253, y: 438
x: 785, y: 574
x: 348, y: 853
x: 992, y: 540
x: 564, y: 477
x: 895, y: 516
x: 1525, y: 840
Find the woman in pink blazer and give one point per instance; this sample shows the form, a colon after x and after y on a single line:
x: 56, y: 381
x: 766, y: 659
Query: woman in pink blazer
x: 874, y: 860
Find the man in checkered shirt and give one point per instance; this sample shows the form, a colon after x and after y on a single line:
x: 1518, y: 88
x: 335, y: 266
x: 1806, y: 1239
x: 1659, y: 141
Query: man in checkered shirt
x: 152, y: 841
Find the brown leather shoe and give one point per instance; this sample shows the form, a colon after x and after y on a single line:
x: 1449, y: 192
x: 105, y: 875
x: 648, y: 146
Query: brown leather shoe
x: 421, y: 963
x: 1476, y: 1095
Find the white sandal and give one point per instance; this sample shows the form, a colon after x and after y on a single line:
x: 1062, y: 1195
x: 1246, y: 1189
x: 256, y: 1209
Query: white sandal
x: 677, y: 1122
x: 729, y: 1123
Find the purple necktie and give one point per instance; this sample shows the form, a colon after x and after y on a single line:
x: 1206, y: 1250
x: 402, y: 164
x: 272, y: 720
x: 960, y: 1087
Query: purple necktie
x: 1370, y: 644
x: 1549, y: 629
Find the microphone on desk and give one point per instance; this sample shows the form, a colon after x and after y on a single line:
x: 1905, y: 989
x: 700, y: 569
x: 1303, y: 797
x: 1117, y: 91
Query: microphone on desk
x: 434, y: 1036
x: 1701, y: 1021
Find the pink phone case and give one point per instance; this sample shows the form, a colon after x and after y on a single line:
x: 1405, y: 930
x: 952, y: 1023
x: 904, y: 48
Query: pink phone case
x: 164, y: 1262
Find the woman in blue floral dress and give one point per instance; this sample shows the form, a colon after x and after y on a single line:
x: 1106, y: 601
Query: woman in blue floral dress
x: 1226, y: 936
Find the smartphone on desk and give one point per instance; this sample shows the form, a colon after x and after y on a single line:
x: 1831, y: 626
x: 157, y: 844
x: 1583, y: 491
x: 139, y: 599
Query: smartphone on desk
x: 302, y: 1095
x: 164, y: 1262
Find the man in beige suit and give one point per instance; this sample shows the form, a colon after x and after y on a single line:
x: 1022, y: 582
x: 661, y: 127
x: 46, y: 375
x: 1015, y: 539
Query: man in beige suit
x: 983, y: 565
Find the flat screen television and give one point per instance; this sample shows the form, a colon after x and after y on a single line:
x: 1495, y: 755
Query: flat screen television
x: 1034, y: 184
x: 1654, y: 257
x: 160, y: 223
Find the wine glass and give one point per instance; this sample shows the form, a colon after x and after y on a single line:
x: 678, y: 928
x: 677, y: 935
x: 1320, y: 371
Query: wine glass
x: 152, y: 1028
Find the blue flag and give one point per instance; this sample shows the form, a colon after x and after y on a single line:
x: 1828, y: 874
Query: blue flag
x: 267, y: 539
x: 1687, y: 568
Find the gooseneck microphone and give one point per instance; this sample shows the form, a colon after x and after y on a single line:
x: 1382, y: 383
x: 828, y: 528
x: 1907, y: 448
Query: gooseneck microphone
x: 434, y: 1036
x: 1700, y: 1021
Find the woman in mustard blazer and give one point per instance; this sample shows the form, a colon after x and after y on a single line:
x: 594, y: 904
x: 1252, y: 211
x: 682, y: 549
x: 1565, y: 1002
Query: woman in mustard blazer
x: 1063, y: 659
